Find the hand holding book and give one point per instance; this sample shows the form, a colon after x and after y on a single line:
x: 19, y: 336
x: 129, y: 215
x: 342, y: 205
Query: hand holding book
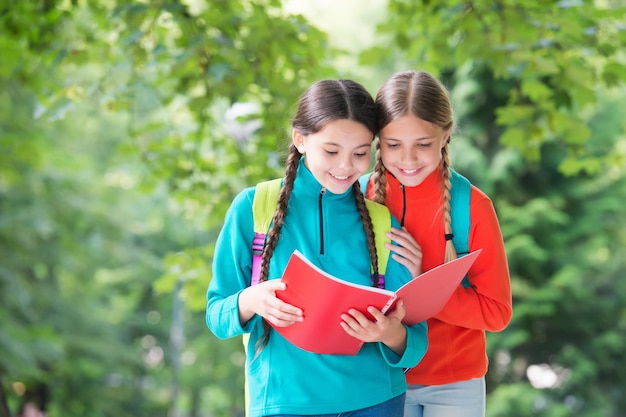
x: 321, y: 332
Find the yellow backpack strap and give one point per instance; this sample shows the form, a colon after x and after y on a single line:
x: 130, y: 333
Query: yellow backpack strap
x: 264, y: 204
x: 263, y: 208
x: 381, y: 221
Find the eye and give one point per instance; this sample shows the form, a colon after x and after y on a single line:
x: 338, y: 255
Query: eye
x: 332, y: 153
x: 360, y: 155
x: 424, y: 145
x: 393, y: 145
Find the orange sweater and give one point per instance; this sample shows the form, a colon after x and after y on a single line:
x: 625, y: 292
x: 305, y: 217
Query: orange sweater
x: 456, y: 336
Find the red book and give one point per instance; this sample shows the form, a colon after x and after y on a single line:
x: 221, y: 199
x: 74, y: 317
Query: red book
x: 323, y: 298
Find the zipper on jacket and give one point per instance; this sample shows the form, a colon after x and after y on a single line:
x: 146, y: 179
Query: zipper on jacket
x: 323, y: 190
x: 403, y: 204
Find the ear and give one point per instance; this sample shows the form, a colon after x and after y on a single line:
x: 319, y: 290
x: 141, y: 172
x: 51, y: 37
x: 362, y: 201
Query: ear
x: 298, y: 141
x: 446, y: 137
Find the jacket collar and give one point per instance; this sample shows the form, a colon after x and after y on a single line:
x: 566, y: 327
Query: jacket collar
x: 307, y: 186
x: 431, y: 185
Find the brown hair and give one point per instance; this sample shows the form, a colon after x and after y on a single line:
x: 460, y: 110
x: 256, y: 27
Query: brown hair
x: 323, y: 102
x: 423, y: 96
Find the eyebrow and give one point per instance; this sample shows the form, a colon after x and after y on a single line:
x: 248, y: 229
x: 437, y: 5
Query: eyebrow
x: 415, y: 139
x: 365, y: 145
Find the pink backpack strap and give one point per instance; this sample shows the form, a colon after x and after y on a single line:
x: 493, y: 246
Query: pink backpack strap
x: 381, y: 281
x: 258, y: 243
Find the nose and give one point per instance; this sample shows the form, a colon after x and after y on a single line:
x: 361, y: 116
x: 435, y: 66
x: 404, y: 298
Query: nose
x: 346, y: 162
x: 409, y: 155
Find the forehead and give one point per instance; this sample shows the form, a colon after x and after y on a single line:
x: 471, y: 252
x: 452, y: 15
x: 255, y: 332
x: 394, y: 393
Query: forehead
x: 409, y: 127
x: 344, y: 133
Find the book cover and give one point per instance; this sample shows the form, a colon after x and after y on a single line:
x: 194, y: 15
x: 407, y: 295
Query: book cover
x: 427, y: 294
x: 323, y: 298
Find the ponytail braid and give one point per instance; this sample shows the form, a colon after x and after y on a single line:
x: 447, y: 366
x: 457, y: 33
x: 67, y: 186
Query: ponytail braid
x: 369, y: 230
x: 277, y: 223
x: 450, y: 253
x: 378, y: 177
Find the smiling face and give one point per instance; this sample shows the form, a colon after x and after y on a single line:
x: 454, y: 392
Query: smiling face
x: 338, y: 154
x: 410, y: 148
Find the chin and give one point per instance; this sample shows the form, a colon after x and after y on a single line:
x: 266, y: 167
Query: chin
x: 410, y: 181
x: 336, y: 189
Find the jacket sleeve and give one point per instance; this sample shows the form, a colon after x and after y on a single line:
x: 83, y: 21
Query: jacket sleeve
x: 487, y: 304
x: 232, y: 268
x: 416, y: 335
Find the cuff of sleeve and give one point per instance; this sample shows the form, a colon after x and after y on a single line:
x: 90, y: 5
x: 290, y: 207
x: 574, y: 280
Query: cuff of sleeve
x: 416, y: 345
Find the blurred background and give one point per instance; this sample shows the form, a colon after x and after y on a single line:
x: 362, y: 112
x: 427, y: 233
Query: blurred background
x: 126, y: 128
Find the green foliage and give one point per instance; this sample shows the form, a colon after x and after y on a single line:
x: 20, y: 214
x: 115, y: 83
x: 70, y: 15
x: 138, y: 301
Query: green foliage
x: 552, y: 55
x: 568, y: 299
x: 547, y: 82
x: 121, y: 151
x: 127, y: 128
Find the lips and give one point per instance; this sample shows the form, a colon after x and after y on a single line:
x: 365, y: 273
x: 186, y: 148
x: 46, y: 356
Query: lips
x: 409, y: 172
x: 341, y: 178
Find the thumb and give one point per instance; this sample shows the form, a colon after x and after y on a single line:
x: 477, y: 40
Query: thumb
x: 277, y: 285
x: 399, y: 310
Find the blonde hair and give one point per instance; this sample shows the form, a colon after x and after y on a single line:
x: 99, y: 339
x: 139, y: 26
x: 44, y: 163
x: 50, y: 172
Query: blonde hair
x: 423, y: 96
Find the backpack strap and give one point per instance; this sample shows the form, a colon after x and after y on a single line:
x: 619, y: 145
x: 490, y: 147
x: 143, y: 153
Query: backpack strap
x: 381, y: 223
x: 263, y: 208
x: 460, y: 193
x: 363, y: 181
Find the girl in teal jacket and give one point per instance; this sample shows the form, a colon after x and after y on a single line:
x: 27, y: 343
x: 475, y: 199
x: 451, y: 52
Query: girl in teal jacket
x: 322, y: 213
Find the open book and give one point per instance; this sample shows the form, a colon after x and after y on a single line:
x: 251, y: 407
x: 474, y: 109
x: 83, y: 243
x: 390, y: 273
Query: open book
x: 323, y: 298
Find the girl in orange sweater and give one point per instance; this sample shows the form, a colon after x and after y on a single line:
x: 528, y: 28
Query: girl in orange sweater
x: 411, y: 176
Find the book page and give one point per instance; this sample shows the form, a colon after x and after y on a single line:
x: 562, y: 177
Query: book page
x: 323, y: 299
x: 428, y: 293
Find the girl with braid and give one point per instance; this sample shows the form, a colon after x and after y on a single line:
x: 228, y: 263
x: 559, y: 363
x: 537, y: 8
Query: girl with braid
x: 412, y: 177
x: 322, y: 213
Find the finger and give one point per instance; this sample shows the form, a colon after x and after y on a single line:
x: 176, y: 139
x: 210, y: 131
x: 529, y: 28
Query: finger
x: 405, y: 241
x: 399, y: 232
x: 399, y: 311
x: 403, y: 238
x: 405, y: 249
x: 414, y: 268
x: 376, y: 313
x: 283, y: 308
x: 407, y: 260
x: 297, y: 317
x: 275, y: 285
x: 359, y: 317
x: 279, y: 322
x: 349, y: 330
x: 356, y: 321
x: 285, y: 319
x: 350, y: 325
x: 284, y: 314
x: 347, y: 322
x: 410, y: 261
x: 402, y: 234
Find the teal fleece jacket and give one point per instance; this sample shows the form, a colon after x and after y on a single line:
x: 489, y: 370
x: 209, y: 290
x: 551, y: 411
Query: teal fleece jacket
x: 284, y: 379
